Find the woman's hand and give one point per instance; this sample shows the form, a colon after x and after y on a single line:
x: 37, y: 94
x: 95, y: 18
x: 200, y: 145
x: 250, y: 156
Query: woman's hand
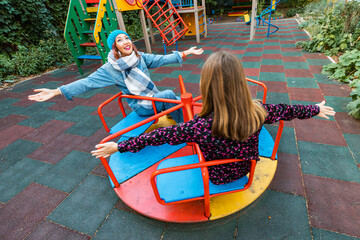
x: 44, y: 94
x: 105, y: 149
x: 193, y: 50
x: 325, y: 111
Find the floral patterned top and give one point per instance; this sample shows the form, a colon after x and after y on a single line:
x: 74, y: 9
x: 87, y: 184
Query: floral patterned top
x: 198, y: 130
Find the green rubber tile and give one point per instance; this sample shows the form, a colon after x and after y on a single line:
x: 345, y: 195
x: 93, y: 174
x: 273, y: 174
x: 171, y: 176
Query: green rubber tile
x: 23, y: 86
x: 87, y: 126
x: 321, y: 234
x: 276, y: 215
x: 242, y: 41
x: 125, y: 225
x: 59, y: 73
x: 16, y: 151
x: 321, y: 78
x: 192, y: 78
x: 318, y: 61
x: 224, y: 228
x: 338, y: 103
x: 7, y: 109
x: 328, y: 161
x: 288, y: 140
x: 175, y: 74
x: 353, y: 141
x: 272, y: 76
x: 275, y: 97
x: 238, y: 47
x: 69, y: 172
x: 90, y: 94
x: 50, y: 85
x: 291, y: 54
x: 296, y: 65
x: 251, y: 64
x: 302, y: 82
x: 193, y: 61
x: 17, y: 177
x: 271, y: 43
x: 36, y: 108
x: 272, y: 62
x: 272, y: 51
x: 76, y: 114
x: 302, y: 38
x: 86, y: 208
x: 255, y: 46
x: 39, y: 118
x: 253, y: 54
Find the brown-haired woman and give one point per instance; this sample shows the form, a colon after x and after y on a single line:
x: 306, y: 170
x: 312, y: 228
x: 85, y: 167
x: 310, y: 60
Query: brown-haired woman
x: 229, y: 123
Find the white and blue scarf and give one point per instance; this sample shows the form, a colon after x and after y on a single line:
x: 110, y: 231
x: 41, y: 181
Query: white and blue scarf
x: 137, y: 82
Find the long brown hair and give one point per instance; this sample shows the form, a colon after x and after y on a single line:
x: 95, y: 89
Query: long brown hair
x: 225, y: 92
x: 117, y: 54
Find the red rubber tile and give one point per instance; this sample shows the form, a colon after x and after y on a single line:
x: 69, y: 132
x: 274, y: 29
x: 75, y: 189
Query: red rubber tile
x: 335, y: 90
x: 306, y: 94
x: 315, y: 56
x: 272, y: 56
x: 294, y: 59
x: 316, y: 68
x: 291, y: 49
x: 48, y: 230
x: 89, y: 143
x: 12, y: 133
x: 57, y: 149
x: 237, y: 51
x: 100, y: 170
x: 237, y: 45
x: 254, y: 49
x: 305, y: 73
x: 271, y: 47
x: 288, y: 175
x: 319, y: 131
x: 63, y: 105
x: 252, y: 71
x: 333, y: 204
x: 97, y: 99
x: 347, y: 124
x: 273, y: 86
x: 251, y: 59
x: 27, y: 209
x: 48, y: 131
x: 10, y: 120
x: 272, y: 68
x: 112, y: 109
x: 166, y: 70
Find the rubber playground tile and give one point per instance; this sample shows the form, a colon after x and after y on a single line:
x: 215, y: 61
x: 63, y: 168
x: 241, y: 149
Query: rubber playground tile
x: 275, y: 97
x: 90, y: 142
x: 49, y: 230
x: 316, y: 69
x: 76, y: 114
x: 224, y: 228
x: 39, y: 118
x: 296, y: 102
x: 81, y: 210
x: 21, y: 87
x: 315, y: 56
x: 271, y: 56
x: 251, y: 72
x: 296, y: 65
x: 87, y: 127
x: 321, y: 78
x: 272, y: 51
x: 11, y: 120
x: 266, y: 44
x: 11, y: 134
x: 353, y: 141
x: 124, y: 225
x: 271, y: 61
x: 272, y: 76
x: 69, y: 172
x: 7, y: 109
x: 251, y: 64
x: 14, y: 179
x: 306, y: 94
x: 120, y: 205
x: 254, y: 50
x: 52, y: 153
x: 274, y: 46
x: 10, y: 155
x: 338, y: 103
x: 252, y: 54
x: 100, y: 171
x: 271, y: 211
x: 165, y: 70
x: 321, y: 234
x: 287, y: 45
x: 292, y: 54
x: 342, y: 90
x: 288, y: 176
x: 272, y: 68
x: 302, y: 82
x: 251, y: 59
x: 319, y: 131
x: 342, y: 198
x: 273, y: 86
x: 25, y: 211
x: 96, y: 100
x: 318, y: 61
x: 347, y: 124
x: 63, y: 105
x: 298, y: 73
x: 288, y: 140
x: 328, y: 161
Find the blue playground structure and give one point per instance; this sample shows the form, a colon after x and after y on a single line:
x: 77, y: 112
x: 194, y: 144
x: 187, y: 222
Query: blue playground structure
x: 269, y: 10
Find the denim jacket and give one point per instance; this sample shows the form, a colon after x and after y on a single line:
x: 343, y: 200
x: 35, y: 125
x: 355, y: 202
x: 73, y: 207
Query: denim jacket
x: 107, y: 75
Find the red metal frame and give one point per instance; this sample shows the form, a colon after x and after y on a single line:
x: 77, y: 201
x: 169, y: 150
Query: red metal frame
x: 187, y: 103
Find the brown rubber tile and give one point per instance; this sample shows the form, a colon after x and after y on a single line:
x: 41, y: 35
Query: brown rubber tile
x: 335, y: 90
x: 13, y: 133
x: 272, y: 56
x: 333, y: 204
x: 63, y: 105
x: 251, y: 71
x: 273, y: 86
x: 272, y: 68
x: 306, y: 94
x: 305, y: 73
x: 11, y: 120
x: 316, y: 69
x: 347, y: 123
x: 250, y: 59
x: 90, y: 142
x: 294, y: 59
x: 25, y: 211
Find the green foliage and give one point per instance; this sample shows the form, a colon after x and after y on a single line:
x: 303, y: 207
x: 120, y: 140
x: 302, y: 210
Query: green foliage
x: 35, y: 59
x: 337, y: 29
x: 348, y: 71
x: 132, y: 23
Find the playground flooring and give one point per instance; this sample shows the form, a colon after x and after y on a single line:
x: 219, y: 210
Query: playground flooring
x: 52, y: 188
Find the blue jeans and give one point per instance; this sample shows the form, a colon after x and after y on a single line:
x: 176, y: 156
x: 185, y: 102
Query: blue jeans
x: 161, y: 106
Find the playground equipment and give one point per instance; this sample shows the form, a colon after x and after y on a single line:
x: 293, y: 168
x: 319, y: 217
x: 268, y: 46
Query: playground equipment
x: 89, y: 22
x: 150, y: 181
x: 194, y: 16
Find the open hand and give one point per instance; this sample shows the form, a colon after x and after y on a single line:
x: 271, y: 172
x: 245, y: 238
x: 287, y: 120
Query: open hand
x: 105, y: 149
x: 194, y: 50
x: 43, y: 94
x: 325, y: 111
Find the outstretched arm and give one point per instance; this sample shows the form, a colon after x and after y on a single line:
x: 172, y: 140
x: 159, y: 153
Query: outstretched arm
x: 192, y: 50
x: 325, y: 111
x: 44, y: 94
